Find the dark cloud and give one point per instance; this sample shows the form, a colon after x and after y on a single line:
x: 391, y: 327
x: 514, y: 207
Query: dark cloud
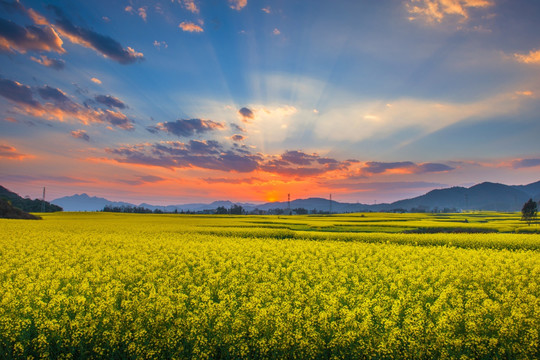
x: 204, y: 147
x: 56, y: 64
x: 374, y: 167
x: 246, y: 114
x: 59, y: 98
x: 237, y: 137
x: 103, y: 44
x: 117, y: 119
x: 238, y: 128
x: 14, y: 37
x: 80, y: 134
x: 299, y: 157
x: 433, y: 167
x: 202, y: 154
x: 298, y: 163
x: 17, y: 92
x: 187, y: 128
x: 525, y: 163
x: 12, y: 6
x: 110, y: 101
x: 58, y: 105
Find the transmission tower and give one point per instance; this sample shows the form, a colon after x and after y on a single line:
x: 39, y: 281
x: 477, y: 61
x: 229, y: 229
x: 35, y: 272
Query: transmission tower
x: 43, y: 202
x: 289, y: 203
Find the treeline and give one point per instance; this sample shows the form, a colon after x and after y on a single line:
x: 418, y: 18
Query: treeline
x: 131, y: 210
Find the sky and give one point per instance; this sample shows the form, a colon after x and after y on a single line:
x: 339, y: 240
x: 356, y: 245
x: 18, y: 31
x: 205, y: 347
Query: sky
x: 181, y: 101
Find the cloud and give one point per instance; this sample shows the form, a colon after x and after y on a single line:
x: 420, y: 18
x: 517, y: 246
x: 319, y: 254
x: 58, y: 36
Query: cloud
x: 238, y: 137
x: 187, y: 128
x: 110, y: 101
x: 267, y: 9
x: 403, y: 167
x: 250, y: 180
x: 237, y: 4
x: 56, y: 64
x: 190, y: 27
x: 246, y: 114
x: 159, y: 44
x: 96, y: 80
x: 146, y: 179
x: 9, y: 152
x: 30, y: 38
x: 533, y: 57
x: 190, y: 6
x: 58, y: 106
x: 105, y: 45
x: 200, y: 154
x: 142, y: 13
x: 238, y: 128
x: 41, y: 178
x: 382, y: 186
x: 80, y: 134
x: 435, y: 11
x: 17, y: 92
x: 298, y: 163
x: 525, y: 163
x: 276, y: 31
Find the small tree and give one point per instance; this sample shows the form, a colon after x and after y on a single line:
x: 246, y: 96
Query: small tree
x: 529, y: 211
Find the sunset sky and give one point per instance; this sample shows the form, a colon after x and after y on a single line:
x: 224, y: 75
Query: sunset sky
x: 182, y: 101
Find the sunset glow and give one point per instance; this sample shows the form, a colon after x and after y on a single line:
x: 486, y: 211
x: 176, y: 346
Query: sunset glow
x: 196, y: 101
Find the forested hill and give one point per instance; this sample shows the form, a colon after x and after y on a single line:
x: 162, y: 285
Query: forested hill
x: 27, y: 205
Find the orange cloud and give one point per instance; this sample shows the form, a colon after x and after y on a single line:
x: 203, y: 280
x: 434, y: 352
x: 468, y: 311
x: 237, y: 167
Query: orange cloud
x: 9, y: 152
x: 237, y: 4
x: 96, y: 80
x: 533, y: 57
x: 190, y: 6
x: 190, y: 27
x: 435, y: 11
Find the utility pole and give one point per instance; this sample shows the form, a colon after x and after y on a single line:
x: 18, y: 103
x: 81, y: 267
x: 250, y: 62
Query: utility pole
x: 43, y: 202
x: 289, y: 203
x: 330, y: 204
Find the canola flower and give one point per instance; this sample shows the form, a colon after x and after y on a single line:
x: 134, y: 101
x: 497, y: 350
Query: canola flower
x: 147, y: 287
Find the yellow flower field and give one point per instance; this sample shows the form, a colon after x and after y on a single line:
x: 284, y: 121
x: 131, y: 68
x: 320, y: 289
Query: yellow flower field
x: 172, y: 287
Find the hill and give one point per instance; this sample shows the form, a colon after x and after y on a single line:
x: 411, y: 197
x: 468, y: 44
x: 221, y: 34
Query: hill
x: 27, y: 205
x: 7, y: 211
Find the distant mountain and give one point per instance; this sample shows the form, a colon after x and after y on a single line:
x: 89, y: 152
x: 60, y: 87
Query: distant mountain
x: 484, y: 196
x: 27, y: 205
x: 84, y: 202
x: 533, y: 190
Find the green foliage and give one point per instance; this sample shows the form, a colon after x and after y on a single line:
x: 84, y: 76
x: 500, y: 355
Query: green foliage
x: 27, y: 205
x: 529, y: 211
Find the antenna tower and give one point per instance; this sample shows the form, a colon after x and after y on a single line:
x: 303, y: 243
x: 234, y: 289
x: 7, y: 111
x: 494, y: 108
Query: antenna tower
x: 43, y: 202
x: 289, y: 203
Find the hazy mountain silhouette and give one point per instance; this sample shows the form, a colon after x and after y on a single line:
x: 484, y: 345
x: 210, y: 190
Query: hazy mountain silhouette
x: 484, y: 196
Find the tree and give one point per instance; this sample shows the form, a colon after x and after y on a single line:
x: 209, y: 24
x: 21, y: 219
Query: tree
x: 236, y: 210
x: 221, y: 210
x: 529, y: 211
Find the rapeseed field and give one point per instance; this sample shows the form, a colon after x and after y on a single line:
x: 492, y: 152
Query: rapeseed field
x: 129, y: 286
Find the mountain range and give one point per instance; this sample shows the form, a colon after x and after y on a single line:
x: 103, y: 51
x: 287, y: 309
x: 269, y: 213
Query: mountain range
x: 484, y: 196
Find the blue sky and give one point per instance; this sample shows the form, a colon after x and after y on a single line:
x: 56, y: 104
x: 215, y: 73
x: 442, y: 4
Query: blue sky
x: 186, y: 100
